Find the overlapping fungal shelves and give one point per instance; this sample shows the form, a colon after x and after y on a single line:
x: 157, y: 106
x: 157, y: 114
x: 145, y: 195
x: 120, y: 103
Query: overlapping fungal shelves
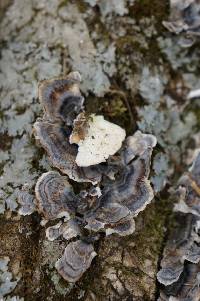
x: 77, y: 144
x: 180, y: 265
x: 184, y: 20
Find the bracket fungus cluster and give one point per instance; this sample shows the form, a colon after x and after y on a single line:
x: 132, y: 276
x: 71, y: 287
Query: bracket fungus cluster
x: 180, y: 266
x: 185, y: 20
x: 77, y: 144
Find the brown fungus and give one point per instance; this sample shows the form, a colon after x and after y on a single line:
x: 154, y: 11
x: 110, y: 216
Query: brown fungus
x: 189, y: 190
x: 62, y: 102
x: 127, y: 195
x: 183, y: 245
x: 53, y: 195
x: 54, y: 138
x: 80, y: 128
x: 61, y: 97
x: 76, y: 260
x: 187, y: 288
x: 68, y: 230
x: 123, y: 187
x: 184, y: 18
x: 136, y: 145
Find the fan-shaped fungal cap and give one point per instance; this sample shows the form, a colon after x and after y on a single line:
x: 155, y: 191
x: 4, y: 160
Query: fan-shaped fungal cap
x: 125, y: 197
x: 61, y: 97
x: 101, y: 139
x: 55, y: 140
x: 53, y: 232
x: 181, y: 246
x: 132, y: 189
x: 109, y: 214
x: 124, y: 227
x: 76, y: 260
x: 53, y: 195
x: 169, y: 275
x: 137, y: 144
x: 186, y: 288
x: 189, y: 190
x: 184, y: 17
x: 68, y: 230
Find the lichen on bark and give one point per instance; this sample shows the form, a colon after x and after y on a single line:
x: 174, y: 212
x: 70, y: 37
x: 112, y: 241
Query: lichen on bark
x: 134, y: 73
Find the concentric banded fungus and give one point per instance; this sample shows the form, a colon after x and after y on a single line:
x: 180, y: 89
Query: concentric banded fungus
x: 53, y: 194
x: 187, y: 288
x: 76, y: 260
x: 130, y: 193
x: 137, y: 144
x: 62, y: 102
x: 183, y: 245
x: 184, y: 18
x: 189, y: 190
x: 55, y: 140
x: 122, y: 193
x: 61, y: 97
x: 53, y: 232
x: 68, y: 230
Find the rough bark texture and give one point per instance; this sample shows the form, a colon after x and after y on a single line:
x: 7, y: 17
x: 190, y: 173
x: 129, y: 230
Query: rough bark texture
x: 122, y: 51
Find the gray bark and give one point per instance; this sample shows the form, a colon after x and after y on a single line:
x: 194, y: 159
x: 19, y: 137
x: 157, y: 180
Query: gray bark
x: 122, y: 51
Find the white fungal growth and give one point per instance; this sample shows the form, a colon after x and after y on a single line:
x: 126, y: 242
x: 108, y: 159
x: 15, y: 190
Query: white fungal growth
x: 102, y: 139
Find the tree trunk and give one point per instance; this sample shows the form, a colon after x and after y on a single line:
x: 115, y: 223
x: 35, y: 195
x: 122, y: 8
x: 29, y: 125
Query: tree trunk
x: 120, y: 48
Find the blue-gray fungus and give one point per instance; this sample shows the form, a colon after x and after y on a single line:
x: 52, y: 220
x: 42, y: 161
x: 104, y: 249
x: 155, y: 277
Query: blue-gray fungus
x: 185, y: 20
x: 76, y: 260
x: 52, y: 192
x: 123, y: 188
x: 54, y: 138
x: 67, y: 229
x: 61, y: 97
x: 180, y: 265
x: 130, y: 193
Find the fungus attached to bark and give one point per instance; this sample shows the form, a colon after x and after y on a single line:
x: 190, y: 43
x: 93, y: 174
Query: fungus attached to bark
x: 77, y: 144
x: 137, y: 144
x: 130, y: 193
x: 189, y: 190
x: 53, y: 232
x: 54, y: 138
x: 68, y: 230
x: 61, y: 97
x: 53, y: 195
x: 187, y: 288
x: 101, y: 140
x: 183, y: 249
x: 76, y: 260
x: 182, y: 246
x: 184, y: 18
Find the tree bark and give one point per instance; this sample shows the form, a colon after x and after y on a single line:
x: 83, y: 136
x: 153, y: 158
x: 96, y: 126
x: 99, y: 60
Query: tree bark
x: 110, y: 43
